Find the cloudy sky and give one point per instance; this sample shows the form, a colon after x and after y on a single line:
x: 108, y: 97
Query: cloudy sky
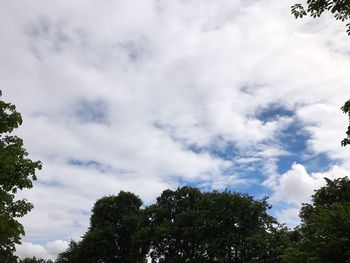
x: 148, y: 95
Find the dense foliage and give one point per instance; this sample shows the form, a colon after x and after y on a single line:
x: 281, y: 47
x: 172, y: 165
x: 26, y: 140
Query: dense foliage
x: 184, y: 225
x: 187, y: 225
x: 324, y: 235
x: 190, y: 226
x: 16, y: 173
x: 114, y: 234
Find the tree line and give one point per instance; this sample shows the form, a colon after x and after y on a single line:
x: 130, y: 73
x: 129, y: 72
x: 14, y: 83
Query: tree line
x: 187, y: 225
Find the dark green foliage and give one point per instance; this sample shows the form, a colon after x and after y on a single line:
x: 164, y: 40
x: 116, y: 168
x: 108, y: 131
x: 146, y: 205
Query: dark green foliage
x: 16, y: 173
x: 174, y: 232
x: 232, y: 224
x: 325, y: 228
x: 346, y: 110
x: 315, y: 8
x: 184, y: 225
x: 34, y: 260
x: 237, y: 228
x: 189, y: 226
x: 114, y: 235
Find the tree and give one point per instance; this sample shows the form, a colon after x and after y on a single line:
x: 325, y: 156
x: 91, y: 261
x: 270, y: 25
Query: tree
x: 237, y: 228
x: 315, y: 8
x: 16, y: 173
x: 189, y: 226
x: 114, y: 234
x: 325, y: 228
x: 174, y: 231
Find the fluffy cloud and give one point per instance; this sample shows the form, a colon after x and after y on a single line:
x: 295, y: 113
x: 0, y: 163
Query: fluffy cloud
x: 148, y: 95
x: 47, y: 251
x: 289, y: 216
x: 296, y: 185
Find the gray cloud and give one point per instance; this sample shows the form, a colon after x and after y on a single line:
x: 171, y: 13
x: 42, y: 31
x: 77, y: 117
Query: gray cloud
x: 91, y: 111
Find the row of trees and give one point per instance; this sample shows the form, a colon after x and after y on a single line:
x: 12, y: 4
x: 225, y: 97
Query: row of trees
x: 187, y: 225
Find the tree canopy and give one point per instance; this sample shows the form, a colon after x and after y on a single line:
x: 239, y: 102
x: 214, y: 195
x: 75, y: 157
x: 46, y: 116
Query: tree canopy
x: 187, y: 225
x: 325, y: 228
x: 16, y: 173
x: 184, y: 225
x: 190, y: 226
x: 114, y: 234
x: 173, y: 226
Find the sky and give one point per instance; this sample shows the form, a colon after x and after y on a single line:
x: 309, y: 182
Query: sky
x: 143, y: 96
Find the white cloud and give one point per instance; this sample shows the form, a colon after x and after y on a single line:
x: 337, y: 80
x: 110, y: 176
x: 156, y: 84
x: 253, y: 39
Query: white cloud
x: 325, y: 130
x: 30, y: 250
x: 47, y: 251
x: 296, y: 186
x: 289, y: 216
x: 55, y: 247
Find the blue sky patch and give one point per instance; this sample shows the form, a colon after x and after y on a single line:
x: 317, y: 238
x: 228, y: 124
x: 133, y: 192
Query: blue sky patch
x: 226, y: 152
x: 294, y: 139
x: 273, y: 112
